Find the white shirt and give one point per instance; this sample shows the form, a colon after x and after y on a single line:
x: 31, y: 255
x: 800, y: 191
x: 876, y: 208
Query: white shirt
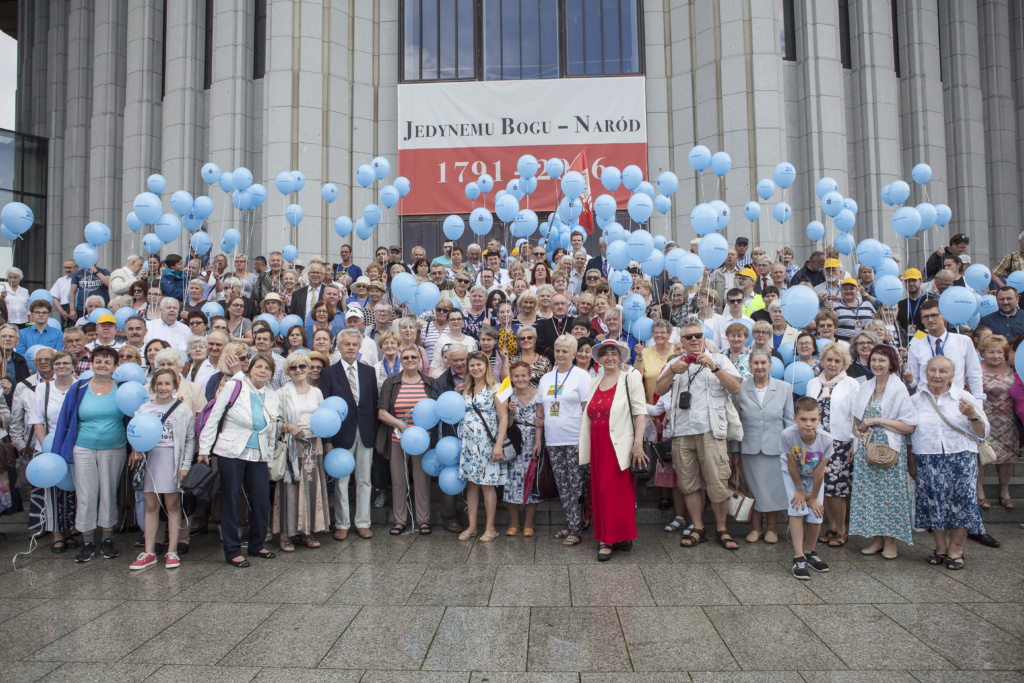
x: 500, y: 278
x: 45, y: 413
x: 205, y: 372
x: 17, y: 304
x: 956, y: 347
x: 311, y: 298
x: 177, y: 335
x: 60, y: 290
x: 932, y: 436
x: 573, y: 390
x: 368, y: 352
x: 446, y: 338
x: 720, y: 326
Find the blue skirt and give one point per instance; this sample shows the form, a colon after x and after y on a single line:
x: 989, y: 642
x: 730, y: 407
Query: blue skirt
x: 945, y: 494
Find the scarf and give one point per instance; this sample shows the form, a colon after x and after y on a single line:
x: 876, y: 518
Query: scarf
x: 828, y: 385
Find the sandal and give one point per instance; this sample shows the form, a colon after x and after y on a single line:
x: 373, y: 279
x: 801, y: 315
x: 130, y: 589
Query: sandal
x: 955, y: 563
x: 675, y: 524
x: 571, y: 540
x: 466, y: 535
x: 935, y: 559
x: 828, y: 536
x: 603, y: 556
x: 564, y: 533
x: 528, y: 532
x: 512, y: 531
x: 838, y: 541
x: 1006, y: 502
x: 286, y: 545
x: 397, y: 529
x: 699, y: 534
x: 724, y: 542
x: 58, y: 546
x: 488, y: 536
x: 424, y: 529
x: 310, y: 542
x: 664, y: 504
x: 983, y: 503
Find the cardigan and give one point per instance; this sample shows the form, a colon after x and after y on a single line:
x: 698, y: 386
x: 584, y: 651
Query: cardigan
x: 629, y: 401
x: 388, y: 397
x: 896, y: 405
x: 840, y: 416
x: 66, y: 433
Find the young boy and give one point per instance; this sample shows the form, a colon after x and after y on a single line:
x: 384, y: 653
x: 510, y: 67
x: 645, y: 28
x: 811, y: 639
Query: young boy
x: 806, y: 450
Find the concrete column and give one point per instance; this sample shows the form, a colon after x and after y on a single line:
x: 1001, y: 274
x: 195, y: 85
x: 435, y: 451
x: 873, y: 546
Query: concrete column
x: 965, y: 132
x: 78, y: 123
x: 184, y: 120
x: 33, y: 48
x: 337, y: 145
x: 107, y: 125
x: 56, y: 122
x: 681, y: 129
x: 364, y: 78
x: 656, y: 17
x: 874, y: 136
x: 1001, y: 164
x: 387, y: 113
x: 1017, y: 73
x: 921, y: 111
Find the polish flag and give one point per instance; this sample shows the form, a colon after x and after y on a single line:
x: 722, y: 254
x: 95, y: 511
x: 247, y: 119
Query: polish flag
x: 587, y: 217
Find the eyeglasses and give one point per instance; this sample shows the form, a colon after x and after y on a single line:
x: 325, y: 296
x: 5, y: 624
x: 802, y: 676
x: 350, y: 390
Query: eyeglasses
x: 62, y: 364
x: 455, y: 320
x: 697, y: 335
x: 461, y: 281
x: 293, y: 368
x: 735, y: 301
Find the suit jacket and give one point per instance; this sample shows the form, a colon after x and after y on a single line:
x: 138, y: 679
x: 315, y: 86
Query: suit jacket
x: 763, y: 422
x: 334, y: 382
x: 298, y: 304
x: 547, y: 332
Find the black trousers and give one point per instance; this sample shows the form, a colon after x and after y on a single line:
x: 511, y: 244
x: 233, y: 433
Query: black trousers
x: 256, y: 477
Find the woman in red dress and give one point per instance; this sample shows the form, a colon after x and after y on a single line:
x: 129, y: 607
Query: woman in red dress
x: 611, y: 438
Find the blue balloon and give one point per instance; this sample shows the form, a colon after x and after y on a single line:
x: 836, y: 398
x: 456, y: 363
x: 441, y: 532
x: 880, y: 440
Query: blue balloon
x: 427, y: 295
x: 226, y: 182
x: 713, y: 250
x: 210, y: 173
x: 1016, y: 280
x: 85, y: 255
x: 129, y: 372
x: 888, y: 290
x: 700, y: 158
x: 777, y: 369
x: 752, y: 210
x: 850, y: 205
x: 46, y: 470
x: 94, y: 317
x: 869, y: 253
x: 832, y: 204
x: 449, y: 447
x: 271, y: 321
x: 403, y: 286
x: 201, y: 243
x: 554, y: 167
x: 372, y: 214
x: 403, y: 186
x: 181, y: 202
x: 928, y: 214
x: 289, y: 252
x: 690, y: 270
x: 527, y: 166
x: 152, y: 244
x: 573, y: 184
x: 17, y: 218
x: 662, y: 204
x: 147, y: 207
x: 899, y: 191
x: 325, y: 422
x: 156, y: 183
x: 613, y: 232
x: 611, y: 178
x: 618, y: 255
x: 167, y: 228
x: 122, y: 316
x: 957, y: 305
x: 605, y: 207
x: 290, y: 321
x: 654, y: 264
x: 202, y: 207
x: 826, y: 185
x: 285, y: 182
x: 389, y: 196
x: 703, y: 219
x: 620, y: 282
x: 845, y: 243
x: 337, y: 404
x: 210, y: 309
x: 640, y: 244
x: 343, y: 226
x: 988, y: 304
x: 640, y: 207
x: 233, y: 236
x: 133, y: 222
x: 381, y: 167
x: 781, y: 212
x: 845, y: 219
x: 144, y: 432
x: 472, y: 191
x: 293, y: 214
x: 47, y: 445
x: 329, y: 192
x: 300, y: 180
x: 798, y: 374
x: 481, y: 221
x: 799, y: 306
x: 642, y: 329
x: 788, y: 352
x: 978, y: 276
x: 506, y: 206
x: 451, y: 408
x: 720, y: 163
x: 722, y: 214
x: 192, y: 222
x: 906, y: 221
x: 633, y: 307
x: 364, y: 175
x: 525, y: 223
x: 339, y: 463
x: 632, y: 177
x: 668, y: 183
x: 431, y: 465
x: 514, y: 189
x: 453, y: 227
x: 765, y: 189
x: 485, y: 183
x: 815, y: 230
x: 97, y: 234
x: 415, y: 440
x: 42, y: 295
x: 129, y: 397
x: 68, y: 482
x: 943, y: 214
x: 449, y: 481
x: 363, y: 230
x: 921, y: 174
x: 424, y: 414
x: 784, y: 175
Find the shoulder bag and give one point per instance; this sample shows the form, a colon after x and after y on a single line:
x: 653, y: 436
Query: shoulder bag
x: 741, y: 503
x: 986, y: 454
x: 643, y: 472
x: 512, y: 446
x: 879, y: 455
x: 139, y: 473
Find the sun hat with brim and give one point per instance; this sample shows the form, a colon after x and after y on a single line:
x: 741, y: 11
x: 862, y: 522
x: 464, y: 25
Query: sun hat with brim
x: 106, y: 318
x: 361, y: 280
x: 273, y: 296
x: 377, y: 284
x: 610, y: 343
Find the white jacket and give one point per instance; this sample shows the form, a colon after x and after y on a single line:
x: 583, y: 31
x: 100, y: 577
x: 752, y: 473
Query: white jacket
x: 237, y: 427
x: 121, y: 281
x: 840, y: 414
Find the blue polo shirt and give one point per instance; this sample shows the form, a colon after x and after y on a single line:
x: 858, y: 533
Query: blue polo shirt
x: 30, y: 337
x: 1010, y: 326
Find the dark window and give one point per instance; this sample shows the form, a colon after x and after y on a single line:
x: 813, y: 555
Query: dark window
x: 788, y: 31
x: 259, y: 40
x: 844, y: 34
x: 23, y: 179
x: 519, y: 39
x: 896, y: 38
x: 208, y: 47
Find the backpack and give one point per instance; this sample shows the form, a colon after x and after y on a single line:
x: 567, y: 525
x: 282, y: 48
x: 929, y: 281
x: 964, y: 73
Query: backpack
x: 204, y: 414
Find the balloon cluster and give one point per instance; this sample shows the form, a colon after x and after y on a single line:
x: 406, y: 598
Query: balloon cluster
x: 15, y: 220
x: 442, y: 461
x: 366, y: 175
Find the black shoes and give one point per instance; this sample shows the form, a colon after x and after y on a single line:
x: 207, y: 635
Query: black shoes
x: 815, y: 562
x: 800, y: 569
x: 107, y: 549
x: 87, y: 552
x: 984, y: 539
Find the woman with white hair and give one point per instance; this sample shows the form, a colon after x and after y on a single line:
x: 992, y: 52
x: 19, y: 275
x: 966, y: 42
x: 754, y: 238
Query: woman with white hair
x: 188, y: 392
x: 15, y: 296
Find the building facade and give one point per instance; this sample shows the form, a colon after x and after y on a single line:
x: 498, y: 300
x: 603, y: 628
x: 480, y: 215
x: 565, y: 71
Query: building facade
x: 859, y: 90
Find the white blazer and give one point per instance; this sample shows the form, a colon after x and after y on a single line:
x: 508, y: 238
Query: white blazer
x: 840, y: 415
x: 629, y: 402
x: 237, y: 426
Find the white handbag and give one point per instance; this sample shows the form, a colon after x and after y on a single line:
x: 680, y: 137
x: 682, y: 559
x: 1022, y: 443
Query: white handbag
x: 741, y: 503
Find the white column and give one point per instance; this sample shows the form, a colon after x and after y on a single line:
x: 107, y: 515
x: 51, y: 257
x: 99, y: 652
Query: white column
x: 184, y: 120
x: 79, y: 112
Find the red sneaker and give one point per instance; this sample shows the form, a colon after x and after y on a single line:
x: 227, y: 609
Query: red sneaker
x: 171, y: 560
x: 143, y: 560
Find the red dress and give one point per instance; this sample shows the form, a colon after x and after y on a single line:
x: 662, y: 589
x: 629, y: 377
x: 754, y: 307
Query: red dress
x: 614, y: 494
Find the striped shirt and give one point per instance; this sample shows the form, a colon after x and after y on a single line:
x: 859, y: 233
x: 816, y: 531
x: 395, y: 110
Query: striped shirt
x: 408, y: 396
x: 852, y: 318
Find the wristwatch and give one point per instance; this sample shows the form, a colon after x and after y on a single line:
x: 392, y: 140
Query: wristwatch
x: 974, y: 419
x: 715, y: 370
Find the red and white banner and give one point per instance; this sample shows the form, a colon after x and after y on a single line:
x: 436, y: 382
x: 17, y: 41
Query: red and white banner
x: 451, y: 133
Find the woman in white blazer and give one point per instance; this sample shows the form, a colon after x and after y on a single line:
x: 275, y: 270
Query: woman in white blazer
x: 611, y: 437
x: 242, y: 435
x: 834, y: 391
x: 765, y: 407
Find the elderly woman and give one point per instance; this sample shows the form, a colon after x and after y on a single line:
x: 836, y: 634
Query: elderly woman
x: 197, y: 323
x: 317, y: 362
x: 834, y: 391
x: 950, y: 426
x: 544, y: 294
x: 737, y: 334
x: 526, y: 307
x: 129, y: 354
x: 90, y: 434
x: 322, y: 341
x: 782, y: 331
x: 197, y: 353
x: 240, y: 327
x: 997, y: 379
x: 389, y: 365
x: 539, y: 363
x: 765, y: 406
x: 611, y: 439
x: 409, y: 335
x: 399, y: 394
x: 436, y: 326
x: 826, y: 323
x: 322, y: 317
x: 138, y: 292
x: 882, y: 414
x: 302, y: 506
x: 679, y: 305
x: 188, y: 392
x: 585, y: 305
x: 860, y: 346
x: 290, y: 280
x: 13, y: 366
x: 242, y: 434
x: 274, y: 304
x: 194, y: 300
x: 805, y: 350
x: 655, y: 356
x: 488, y: 337
x: 478, y: 315
x: 613, y: 319
x: 15, y: 296
x: 149, y: 352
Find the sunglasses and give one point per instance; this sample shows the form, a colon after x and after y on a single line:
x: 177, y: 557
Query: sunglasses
x: 464, y: 282
x: 298, y: 367
x: 592, y: 277
x: 411, y: 358
x: 735, y: 301
x: 698, y: 335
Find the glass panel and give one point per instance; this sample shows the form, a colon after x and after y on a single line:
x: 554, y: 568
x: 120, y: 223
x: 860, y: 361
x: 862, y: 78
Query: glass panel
x: 7, y: 155
x: 492, y: 40
x: 574, y: 37
x: 448, y: 47
x: 630, y: 28
x: 429, y: 40
x: 32, y: 171
x: 412, y: 40
x: 610, y: 33
x: 467, y: 31
x: 548, y: 39
x: 592, y: 37
x: 529, y: 16
x: 510, y: 69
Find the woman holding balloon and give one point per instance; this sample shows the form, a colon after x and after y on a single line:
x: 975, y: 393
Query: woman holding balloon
x: 91, y: 435
x: 399, y: 394
x: 239, y: 327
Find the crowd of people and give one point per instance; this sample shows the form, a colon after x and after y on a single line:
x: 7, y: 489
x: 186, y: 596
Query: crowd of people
x: 539, y: 348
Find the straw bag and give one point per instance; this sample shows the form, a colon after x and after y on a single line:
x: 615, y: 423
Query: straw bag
x: 878, y: 455
x: 741, y: 503
x: 986, y: 454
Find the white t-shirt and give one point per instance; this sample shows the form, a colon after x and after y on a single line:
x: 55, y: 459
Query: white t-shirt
x: 573, y: 390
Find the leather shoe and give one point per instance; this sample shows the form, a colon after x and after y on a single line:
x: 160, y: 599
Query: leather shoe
x: 364, y: 532
x: 453, y: 526
x: 340, y: 534
x: 984, y: 539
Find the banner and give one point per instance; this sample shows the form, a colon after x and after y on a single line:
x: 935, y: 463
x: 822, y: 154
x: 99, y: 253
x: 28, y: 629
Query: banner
x: 451, y: 133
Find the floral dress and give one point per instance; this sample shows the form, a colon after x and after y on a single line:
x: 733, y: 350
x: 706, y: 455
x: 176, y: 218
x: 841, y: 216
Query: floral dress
x: 538, y: 368
x: 526, y: 419
x: 880, y: 504
x: 839, y: 471
x: 475, y: 461
x: 742, y: 363
x: 999, y: 408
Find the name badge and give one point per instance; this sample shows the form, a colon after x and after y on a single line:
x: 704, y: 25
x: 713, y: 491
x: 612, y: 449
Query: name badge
x: 555, y: 405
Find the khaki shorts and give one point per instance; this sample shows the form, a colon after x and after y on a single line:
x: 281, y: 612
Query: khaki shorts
x: 702, y: 454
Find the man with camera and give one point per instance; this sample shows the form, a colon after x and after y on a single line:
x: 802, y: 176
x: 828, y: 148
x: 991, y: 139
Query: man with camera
x: 699, y: 382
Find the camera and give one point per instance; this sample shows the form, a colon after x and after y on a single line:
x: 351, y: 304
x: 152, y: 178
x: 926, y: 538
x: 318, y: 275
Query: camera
x: 684, y: 400
x: 691, y: 359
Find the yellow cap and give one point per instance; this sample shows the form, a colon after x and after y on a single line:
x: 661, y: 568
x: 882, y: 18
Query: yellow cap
x: 748, y: 272
x: 106, y: 318
x: 832, y: 263
x: 912, y: 274
x: 849, y: 281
